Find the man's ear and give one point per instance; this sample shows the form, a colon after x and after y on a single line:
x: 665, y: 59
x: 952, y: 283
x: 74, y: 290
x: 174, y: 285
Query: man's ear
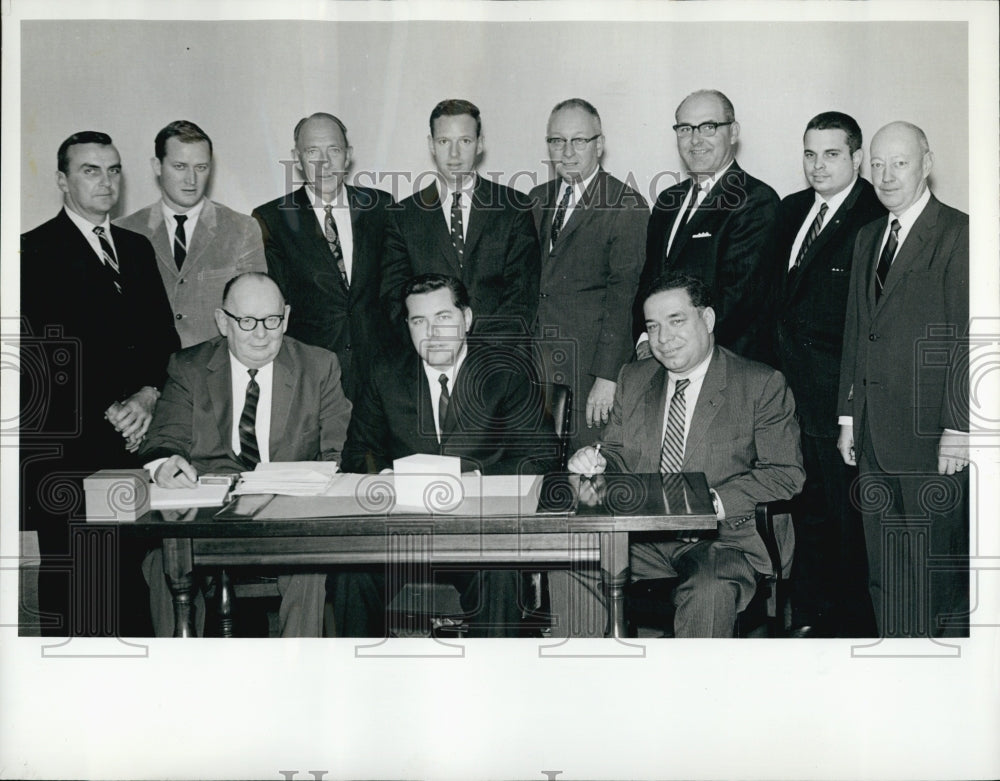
x: 734, y: 131
x: 156, y: 165
x: 61, y: 181
x: 708, y: 315
x: 221, y: 323
x: 467, y: 313
x: 856, y: 160
x: 284, y: 323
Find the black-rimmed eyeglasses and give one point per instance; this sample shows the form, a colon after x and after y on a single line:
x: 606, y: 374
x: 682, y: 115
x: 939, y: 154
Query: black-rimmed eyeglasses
x: 247, y: 323
x: 704, y: 129
x: 579, y: 144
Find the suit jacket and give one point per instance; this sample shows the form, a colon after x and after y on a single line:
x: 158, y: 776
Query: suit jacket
x: 225, y: 244
x: 589, y: 277
x: 813, y: 299
x: 350, y: 322
x: 905, y: 360
x: 743, y: 436
x: 194, y: 417
x: 83, y: 344
x: 727, y: 243
x: 495, y: 420
x: 500, y: 265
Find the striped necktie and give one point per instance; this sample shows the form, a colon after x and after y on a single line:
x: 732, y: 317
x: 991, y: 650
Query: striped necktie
x: 560, y: 215
x: 109, y: 258
x: 333, y: 239
x: 885, y: 260
x: 180, y: 241
x: 249, y: 450
x: 672, y: 452
x: 814, y: 231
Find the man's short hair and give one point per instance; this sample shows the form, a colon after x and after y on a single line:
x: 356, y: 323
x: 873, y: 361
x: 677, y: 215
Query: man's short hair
x: 246, y: 274
x: 728, y: 112
x: 579, y: 103
x: 456, y: 108
x: 184, y: 131
x: 699, y: 293
x: 319, y: 115
x: 428, y: 283
x: 83, y: 137
x: 836, y: 120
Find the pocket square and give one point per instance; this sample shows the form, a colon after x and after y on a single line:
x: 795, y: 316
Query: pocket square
x: 702, y: 236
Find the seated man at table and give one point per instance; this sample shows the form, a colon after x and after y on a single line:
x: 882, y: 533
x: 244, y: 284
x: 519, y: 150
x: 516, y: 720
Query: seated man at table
x: 701, y: 408
x: 248, y: 396
x: 448, y: 396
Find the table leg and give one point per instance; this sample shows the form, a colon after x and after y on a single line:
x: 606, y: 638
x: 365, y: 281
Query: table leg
x: 178, y: 565
x: 224, y: 595
x: 614, y: 575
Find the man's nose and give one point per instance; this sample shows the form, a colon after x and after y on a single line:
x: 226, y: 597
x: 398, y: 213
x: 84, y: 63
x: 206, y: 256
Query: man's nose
x: 453, y: 150
x: 569, y: 151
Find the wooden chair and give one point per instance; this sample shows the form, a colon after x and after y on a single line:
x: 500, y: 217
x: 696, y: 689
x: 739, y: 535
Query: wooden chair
x: 649, y: 603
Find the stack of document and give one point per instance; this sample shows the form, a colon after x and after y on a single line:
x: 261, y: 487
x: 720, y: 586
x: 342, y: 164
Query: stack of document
x: 289, y: 478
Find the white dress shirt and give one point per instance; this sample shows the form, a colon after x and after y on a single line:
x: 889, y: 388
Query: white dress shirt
x: 579, y: 187
x: 434, y: 383
x: 342, y: 216
x: 240, y: 379
x: 169, y: 219
x: 444, y: 193
x: 87, y: 229
x: 832, y: 205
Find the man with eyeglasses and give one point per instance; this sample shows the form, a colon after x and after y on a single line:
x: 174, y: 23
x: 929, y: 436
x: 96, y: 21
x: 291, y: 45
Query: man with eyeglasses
x: 199, y: 244
x: 324, y: 244
x: 717, y: 226
x: 249, y: 396
x: 468, y: 227
x: 592, y: 230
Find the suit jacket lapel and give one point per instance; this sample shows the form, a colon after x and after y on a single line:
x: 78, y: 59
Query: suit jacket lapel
x: 548, y: 207
x: 283, y: 383
x: 160, y: 239
x: 911, y: 252
x: 480, y: 215
x: 654, y: 411
x: 220, y: 392
x: 684, y: 233
x: 584, y: 211
x: 308, y: 217
x: 710, y: 401
x: 359, y: 202
x: 430, y: 204
x: 204, y: 232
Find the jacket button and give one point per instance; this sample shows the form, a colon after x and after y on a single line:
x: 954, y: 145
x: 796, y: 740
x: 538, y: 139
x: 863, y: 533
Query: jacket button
x: 180, y: 282
x: 543, y: 295
x: 178, y: 317
x: 864, y: 382
x: 872, y: 337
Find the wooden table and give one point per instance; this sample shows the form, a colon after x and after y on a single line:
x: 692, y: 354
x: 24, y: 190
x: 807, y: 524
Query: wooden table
x: 577, y: 521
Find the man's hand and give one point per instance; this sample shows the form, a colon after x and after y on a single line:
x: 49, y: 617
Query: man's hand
x: 599, y: 401
x: 642, y: 350
x: 953, y: 452
x: 845, y: 444
x: 176, y: 472
x: 131, y: 418
x: 587, y: 461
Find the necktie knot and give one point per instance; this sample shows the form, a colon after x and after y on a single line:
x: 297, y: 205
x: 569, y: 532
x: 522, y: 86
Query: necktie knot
x: 560, y: 216
x: 443, y: 380
x: 456, y: 199
x: 895, y: 226
x: 181, y: 219
x: 253, y: 374
x: 681, y: 385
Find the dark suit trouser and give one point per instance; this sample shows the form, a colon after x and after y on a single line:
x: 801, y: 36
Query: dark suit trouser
x: 490, y: 601
x: 829, y: 585
x: 717, y: 582
x: 917, y: 534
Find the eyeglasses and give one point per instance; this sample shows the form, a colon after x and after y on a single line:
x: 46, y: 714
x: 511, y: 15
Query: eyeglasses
x: 271, y: 322
x: 579, y: 144
x: 706, y: 129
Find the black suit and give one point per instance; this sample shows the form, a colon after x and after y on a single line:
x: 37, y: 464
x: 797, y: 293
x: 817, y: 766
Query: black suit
x: 84, y: 346
x: 495, y: 423
x: 727, y: 243
x: 324, y: 312
x: 500, y: 265
x: 829, y: 579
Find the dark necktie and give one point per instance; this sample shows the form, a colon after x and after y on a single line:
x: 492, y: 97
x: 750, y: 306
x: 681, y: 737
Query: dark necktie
x: 672, y: 452
x: 333, y: 239
x: 560, y: 215
x: 885, y: 260
x: 110, y: 259
x: 443, y: 402
x: 814, y: 231
x: 695, y: 192
x: 457, y: 229
x: 180, y: 241
x: 249, y: 450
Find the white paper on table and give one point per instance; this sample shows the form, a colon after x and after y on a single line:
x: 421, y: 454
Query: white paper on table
x: 428, y: 483
x: 289, y: 478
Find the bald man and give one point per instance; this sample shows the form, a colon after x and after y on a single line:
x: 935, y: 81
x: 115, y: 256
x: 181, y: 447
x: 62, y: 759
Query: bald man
x: 903, y: 397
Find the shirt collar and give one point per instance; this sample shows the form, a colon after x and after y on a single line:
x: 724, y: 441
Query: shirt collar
x: 192, y: 214
x: 434, y: 373
x: 908, y: 217
x: 468, y: 186
x: 708, y: 183
x: 834, y: 201
x: 85, y: 225
x: 239, y: 368
x: 697, y: 373
x: 579, y: 186
x: 339, y: 198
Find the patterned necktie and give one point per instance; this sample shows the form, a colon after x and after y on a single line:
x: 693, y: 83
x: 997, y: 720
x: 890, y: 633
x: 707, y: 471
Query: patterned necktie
x: 443, y: 402
x: 457, y: 229
x: 885, y: 260
x: 110, y: 259
x: 249, y: 450
x: 672, y: 452
x: 814, y: 231
x: 560, y: 215
x: 333, y: 239
x: 180, y: 241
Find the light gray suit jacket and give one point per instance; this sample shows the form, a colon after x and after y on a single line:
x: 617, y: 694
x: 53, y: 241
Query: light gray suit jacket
x: 743, y: 436
x: 225, y: 243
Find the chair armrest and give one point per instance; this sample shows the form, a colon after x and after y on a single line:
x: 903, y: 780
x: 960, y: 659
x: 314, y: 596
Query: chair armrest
x: 764, y: 514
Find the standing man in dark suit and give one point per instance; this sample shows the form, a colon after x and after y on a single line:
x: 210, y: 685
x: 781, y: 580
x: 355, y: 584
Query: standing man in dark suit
x: 200, y: 244
x: 249, y: 396
x: 97, y: 335
x: 717, y: 226
x: 447, y: 396
x: 904, y: 394
x: 702, y: 408
x: 467, y: 227
x: 816, y: 232
x: 592, y: 229
x: 324, y: 244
